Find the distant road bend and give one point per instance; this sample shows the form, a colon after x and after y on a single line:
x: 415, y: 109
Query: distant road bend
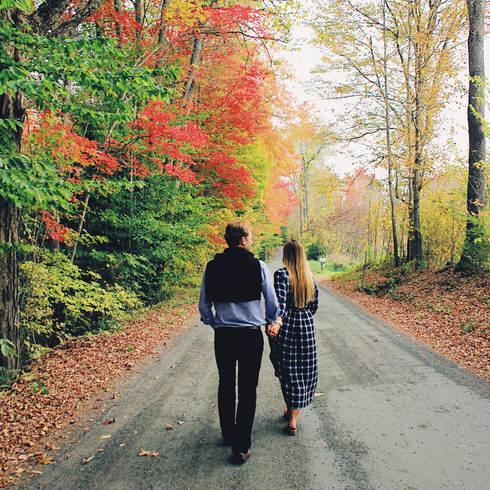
x: 389, y: 414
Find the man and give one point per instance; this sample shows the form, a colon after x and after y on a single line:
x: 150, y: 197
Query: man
x: 233, y: 283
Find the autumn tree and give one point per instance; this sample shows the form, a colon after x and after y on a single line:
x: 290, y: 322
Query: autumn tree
x: 48, y: 19
x: 136, y: 150
x: 310, y: 138
x: 414, y: 42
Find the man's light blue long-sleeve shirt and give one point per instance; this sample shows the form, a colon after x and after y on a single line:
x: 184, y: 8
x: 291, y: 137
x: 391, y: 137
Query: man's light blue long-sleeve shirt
x: 243, y: 314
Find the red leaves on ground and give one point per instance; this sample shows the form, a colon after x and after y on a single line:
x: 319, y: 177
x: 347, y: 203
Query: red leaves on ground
x: 70, y: 376
x: 447, y: 311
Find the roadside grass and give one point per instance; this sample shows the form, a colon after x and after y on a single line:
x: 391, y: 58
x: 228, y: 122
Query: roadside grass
x: 331, y: 270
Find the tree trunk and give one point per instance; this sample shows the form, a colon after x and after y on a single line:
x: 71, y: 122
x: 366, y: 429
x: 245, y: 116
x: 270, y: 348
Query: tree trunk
x: 388, y: 147
x: 190, y: 84
x: 9, y: 281
x: 306, y: 206
x: 416, y: 235
x: 80, y: 228
x: 10, y: 108
x: 138, y: 17
x: 162, y: 32
x: 476, y: 247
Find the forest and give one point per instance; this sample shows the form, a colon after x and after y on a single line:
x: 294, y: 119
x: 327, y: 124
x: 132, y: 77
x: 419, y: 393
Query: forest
x: 132, y: 132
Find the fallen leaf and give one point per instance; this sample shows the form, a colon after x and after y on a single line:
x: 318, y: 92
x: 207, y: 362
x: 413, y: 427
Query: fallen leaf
x: 87, y: 460
x: 169, y: 427
x: 112, y: 421
x: 105, y: 437
x: 318, y: 394
x: 46, y: 460
x: 148, y: 453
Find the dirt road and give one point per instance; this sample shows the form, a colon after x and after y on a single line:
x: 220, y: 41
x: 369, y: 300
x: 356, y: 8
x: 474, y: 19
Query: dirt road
x: 388, y: 414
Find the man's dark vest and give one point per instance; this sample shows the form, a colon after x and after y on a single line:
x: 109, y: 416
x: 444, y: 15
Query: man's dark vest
x: 233, y: 276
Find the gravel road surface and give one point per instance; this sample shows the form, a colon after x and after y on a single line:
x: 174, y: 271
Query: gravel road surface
x: 388, y: 414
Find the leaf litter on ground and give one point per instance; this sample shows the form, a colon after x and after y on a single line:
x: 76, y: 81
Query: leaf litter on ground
x: 74, y: 374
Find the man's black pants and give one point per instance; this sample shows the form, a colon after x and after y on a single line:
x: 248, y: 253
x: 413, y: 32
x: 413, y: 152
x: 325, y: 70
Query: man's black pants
x: 245, y: 347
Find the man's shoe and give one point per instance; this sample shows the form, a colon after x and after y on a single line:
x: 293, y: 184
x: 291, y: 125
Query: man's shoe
x: 240, y: 458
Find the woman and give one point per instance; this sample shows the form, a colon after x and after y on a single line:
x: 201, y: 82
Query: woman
x: 292, y: 335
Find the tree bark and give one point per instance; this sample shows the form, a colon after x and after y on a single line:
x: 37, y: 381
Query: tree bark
x: 190, y: 84
x: 415, y: 236
x: 9, y: 281
x: 476, y: 245
x: 162, y: 32
x: 138, y: 15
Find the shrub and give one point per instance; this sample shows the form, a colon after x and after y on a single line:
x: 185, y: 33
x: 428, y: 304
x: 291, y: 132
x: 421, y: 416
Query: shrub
x: 59, y: 301
x: 312, y: 251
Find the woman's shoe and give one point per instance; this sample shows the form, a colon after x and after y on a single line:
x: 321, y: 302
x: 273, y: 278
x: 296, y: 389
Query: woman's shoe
x: 290, y: 430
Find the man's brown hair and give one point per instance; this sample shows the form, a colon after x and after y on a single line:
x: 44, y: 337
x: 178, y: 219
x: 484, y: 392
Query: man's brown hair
x: 235, y: 231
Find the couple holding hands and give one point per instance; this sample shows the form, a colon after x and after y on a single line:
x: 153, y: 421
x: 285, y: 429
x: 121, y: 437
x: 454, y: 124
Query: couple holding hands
x: 233, y: 284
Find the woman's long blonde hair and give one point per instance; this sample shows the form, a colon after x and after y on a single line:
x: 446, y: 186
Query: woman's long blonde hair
x: 300, y: 277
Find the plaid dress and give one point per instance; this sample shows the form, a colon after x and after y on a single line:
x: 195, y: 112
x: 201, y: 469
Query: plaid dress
x: 293, y: 350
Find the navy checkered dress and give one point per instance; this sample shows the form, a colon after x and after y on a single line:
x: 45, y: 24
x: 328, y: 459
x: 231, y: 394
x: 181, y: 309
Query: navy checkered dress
x: 293, y: 351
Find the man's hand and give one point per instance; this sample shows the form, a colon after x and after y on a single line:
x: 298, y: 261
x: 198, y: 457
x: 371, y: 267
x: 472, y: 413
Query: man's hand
x: 273, y: 329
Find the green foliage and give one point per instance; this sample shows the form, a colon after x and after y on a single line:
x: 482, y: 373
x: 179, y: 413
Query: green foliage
x: 35, y: 183
x: 7, y: 347
x: 60, y: 301
x: 24, y: 5
x: 38, y: 387
x: 153, y: 237
x: 268, y: 245
x: 467, y: 327
x: 476, y: 251
x: 313, y: 251
x: 89, y: 78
